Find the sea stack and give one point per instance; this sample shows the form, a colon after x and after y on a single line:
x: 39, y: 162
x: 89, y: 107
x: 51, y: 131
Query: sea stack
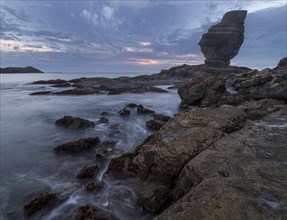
x: 222, y: 41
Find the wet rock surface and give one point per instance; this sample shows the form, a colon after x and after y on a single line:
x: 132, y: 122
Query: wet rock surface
x: 77, y: 146
x: 223, y: 40
x: 88, y: 172
x: 87, y: 212
x: 74, y: 122
x: 39, y: 203
x: 142, y: 110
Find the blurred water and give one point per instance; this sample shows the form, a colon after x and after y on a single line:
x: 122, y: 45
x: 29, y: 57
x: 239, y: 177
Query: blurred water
x: 28, y: 135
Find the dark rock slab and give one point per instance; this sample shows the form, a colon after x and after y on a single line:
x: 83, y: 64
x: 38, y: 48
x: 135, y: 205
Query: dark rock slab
x: 41, y: 93
x: 223, y: 40
x: 78, y: 146
x: 74, y: 122
x: 39, y: 203
x: 51, y: 81
x: 62, y: 85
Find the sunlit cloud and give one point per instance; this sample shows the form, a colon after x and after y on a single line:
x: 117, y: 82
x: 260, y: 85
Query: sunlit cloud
x: 145, y: 44
x: 13, y: 45
x: 137, y: 50
x: 142, y: 61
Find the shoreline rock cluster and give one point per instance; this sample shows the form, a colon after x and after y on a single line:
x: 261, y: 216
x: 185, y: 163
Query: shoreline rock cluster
x: 217, y: 152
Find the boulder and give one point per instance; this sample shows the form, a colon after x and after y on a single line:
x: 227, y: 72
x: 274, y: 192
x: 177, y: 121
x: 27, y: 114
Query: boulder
x: 203, y: 90
x: 282, y: 63
x: 161, y: 117
x: 103, y: 120
x: 132, y: 105
x: 142, y: 110
x: 105, y: 149
x: 124, y: 112
x: 223, y: 40
x: 88, y: 172
x: 74, y: 122
x: 39, y: 203
x: 78, y: 146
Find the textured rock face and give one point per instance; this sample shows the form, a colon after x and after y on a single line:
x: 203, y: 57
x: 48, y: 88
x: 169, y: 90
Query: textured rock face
x: 223, y: 40
x: 203, y: 90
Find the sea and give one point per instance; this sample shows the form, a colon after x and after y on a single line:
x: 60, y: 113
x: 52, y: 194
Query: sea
x: 29, y: 165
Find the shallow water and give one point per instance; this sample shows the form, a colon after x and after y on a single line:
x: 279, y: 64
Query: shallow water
x: 28, y: 135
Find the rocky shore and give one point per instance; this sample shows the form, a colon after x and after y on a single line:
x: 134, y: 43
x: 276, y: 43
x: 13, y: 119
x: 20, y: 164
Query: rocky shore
x: 223, y: 154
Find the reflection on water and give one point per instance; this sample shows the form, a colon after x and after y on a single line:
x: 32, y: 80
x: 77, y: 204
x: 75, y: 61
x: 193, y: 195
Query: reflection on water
x: 28, y: 136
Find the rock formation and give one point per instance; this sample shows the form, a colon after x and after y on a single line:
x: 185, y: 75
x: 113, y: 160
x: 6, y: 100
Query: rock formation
x: 223, y: 40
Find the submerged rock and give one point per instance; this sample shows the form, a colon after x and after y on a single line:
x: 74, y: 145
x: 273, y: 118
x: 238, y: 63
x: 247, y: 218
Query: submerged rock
x: 223, y: 40
x: 103, y: 120
x: 41, y: 93
x: 39, y: 203
x: 74, y: 122
x: 78, y: 146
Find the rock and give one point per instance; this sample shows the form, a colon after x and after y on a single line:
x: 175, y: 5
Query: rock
x: 124, y: 112
x: 103, y: 120
x: 52, y: 81
x: 161, y: 157
x: 282, y: 63
x: 142, y: 110
x: 122, y: 166
x: 78, y: 92
x: 132, y: 105
x: 78, y: 146
x: 231, y: 99
x: 262, y: 84
x: 93, y: 186
x: 74, y: 122
x: 39, y: 203
x: 154, y: 125
x: 172, y: 87
x: 223, y: 40
x: 41, y: 93
x: 203, y: 90
x: 87, y: 212
x: 114, y: 93
x: 62, y: 85
x: 105, y: 149
x: 245, y: 167
x: 104, y: 113
x: 161, y: 117
x: 89, y: 171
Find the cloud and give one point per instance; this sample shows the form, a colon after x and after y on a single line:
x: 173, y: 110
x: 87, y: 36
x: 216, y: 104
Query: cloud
x: 89, y: 16
x: 18, y: 14
x: 138, y: 50
x: 12, y: 45
x: 145, y: 44
x: 108, y: 12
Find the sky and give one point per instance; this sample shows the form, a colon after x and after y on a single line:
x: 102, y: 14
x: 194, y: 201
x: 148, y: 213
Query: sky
x: 132, y: 36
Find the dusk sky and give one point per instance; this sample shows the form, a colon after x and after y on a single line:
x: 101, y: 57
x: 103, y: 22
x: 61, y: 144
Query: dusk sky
x: 132, y: 36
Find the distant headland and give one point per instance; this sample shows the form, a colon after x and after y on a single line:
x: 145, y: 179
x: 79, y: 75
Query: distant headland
x: 28, y: 69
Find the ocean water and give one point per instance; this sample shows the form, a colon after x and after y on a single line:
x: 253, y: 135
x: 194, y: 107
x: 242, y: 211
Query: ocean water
x: 29, y: 165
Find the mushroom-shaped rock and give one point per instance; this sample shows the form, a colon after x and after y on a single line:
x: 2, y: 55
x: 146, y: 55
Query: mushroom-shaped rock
x: 222, y: 41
